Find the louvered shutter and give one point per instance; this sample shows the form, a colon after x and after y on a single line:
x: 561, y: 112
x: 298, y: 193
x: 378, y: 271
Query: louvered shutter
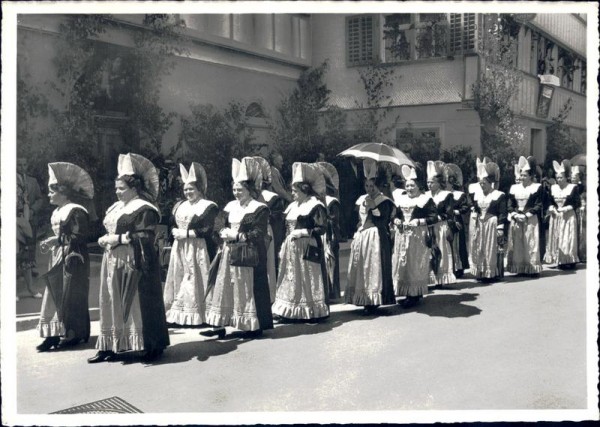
x: 463, y: 32
x: 360, y: 39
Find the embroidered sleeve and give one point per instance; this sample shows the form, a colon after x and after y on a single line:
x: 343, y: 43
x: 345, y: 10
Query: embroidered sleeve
x: 534, y: 204
x: 204, y: 224
x: 257, y: 229
x: 430, y: 212
x: 75, y: 229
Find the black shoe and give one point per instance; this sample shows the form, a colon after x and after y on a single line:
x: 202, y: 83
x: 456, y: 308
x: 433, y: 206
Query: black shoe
x: 459, y: 273
x: 253, y: 334
x: 152, y: 355
x: 439, y: 286
x: 214, y: 332
x: 64, y: 342
x: 102, y: 356
x: 48, y: 344
x: 410, y: 302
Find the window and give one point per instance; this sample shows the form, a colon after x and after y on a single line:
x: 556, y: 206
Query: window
x: 415, y: 36
x: 255, y: 110
x: 360, y: 40
x: 463, y: 32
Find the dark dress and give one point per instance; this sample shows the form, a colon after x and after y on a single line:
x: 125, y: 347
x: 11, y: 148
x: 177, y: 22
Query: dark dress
x: 239, y: 296
x: 189, y: 262
x: 370, y: 269
x: 442, y: 263
x: 411, y: 262
x: 276, y: 205
x: 523, y: 251
x: 490, y: 216
x: 332, y: 240
x: 132, y: 311
x: 459, y: 243
x: 64, y: 309
x: 301, y: 285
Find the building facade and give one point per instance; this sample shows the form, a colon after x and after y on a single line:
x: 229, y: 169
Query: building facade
x: 436, y: 62
x: 257, y: 59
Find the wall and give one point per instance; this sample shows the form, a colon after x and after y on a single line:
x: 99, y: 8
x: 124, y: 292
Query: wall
x: 216, y: 70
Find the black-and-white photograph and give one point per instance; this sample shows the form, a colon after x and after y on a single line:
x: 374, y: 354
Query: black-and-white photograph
x: 239, y: 213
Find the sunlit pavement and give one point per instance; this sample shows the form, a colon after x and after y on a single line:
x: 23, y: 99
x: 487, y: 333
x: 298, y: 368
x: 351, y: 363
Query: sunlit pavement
x: 517, y: 344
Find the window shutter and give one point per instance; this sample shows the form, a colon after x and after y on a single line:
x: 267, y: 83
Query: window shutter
x: 463, y: 32
x: 360, y: 39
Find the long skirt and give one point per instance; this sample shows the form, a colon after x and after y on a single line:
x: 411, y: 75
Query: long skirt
x: 472, y: 225
x: 445, y: 270
x: 186, y: 281
x: 487, y: 262
x: 367, y: 281
x: 411, y: 262
x: 301, y: 288
x: 271, y: 271
x: 523, y: 252
x: 231, y: 301
x: 135, y: 326
x: 562, y: 241
x: 332, y: 265
x: 75, y: 322
x: 459, y: 249
x: 581, y: 228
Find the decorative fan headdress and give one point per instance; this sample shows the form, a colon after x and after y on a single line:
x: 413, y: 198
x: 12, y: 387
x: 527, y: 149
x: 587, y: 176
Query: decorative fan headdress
x: 370, y: 168
x: 73, y: 177
x: 332, y: 178
x: 435, y: 168
x: 134, y: 164
x: 488, y: 169
x: 453, y: 171
x: 265, y: 169
x: 310, y: 174
x: 248, y: 169
x: 408, y: 172
x: 564, y: 167
x: 196, y: 174
x: 526, y: 164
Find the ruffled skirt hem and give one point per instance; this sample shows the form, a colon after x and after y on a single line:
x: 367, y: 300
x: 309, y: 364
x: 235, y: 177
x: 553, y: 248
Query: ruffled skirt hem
x: 241, y: 322
x: 288, y: 310
x: 184, y: 318
x: 413, y: 290
x: 51, y: 329
x: 115, y: 343
x: 442, y: 279
x: 524, y: 268
x: 364, y: 299
x: 485, y: 272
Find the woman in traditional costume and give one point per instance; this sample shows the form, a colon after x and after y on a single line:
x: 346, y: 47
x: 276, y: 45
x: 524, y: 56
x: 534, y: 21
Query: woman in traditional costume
x: 132, y: 310
x: 370, y: 268
x: 192, y: 250
x: 302, y: 284
x: 473, y: 189
x: 64, y: 316
x: 490, y: 209
x: 276, y: 228
x: 578, y: 178
x: 331, y: 239
x: 524, y: 210
x: 462, y: 207
x: 562, y: 245
x: 411, y: 260
x: 443, y: 265
x: 238, y: 294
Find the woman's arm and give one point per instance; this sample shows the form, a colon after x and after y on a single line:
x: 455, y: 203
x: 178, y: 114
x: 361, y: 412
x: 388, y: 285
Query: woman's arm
x: 204, y: 225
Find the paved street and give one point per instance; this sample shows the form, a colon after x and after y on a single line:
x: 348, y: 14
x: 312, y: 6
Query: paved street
x: 518, y: 344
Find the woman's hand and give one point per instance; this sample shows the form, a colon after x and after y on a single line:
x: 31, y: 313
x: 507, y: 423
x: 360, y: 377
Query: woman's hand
x: 552, y: 210
x: 228, y: 234
x: 413, y: 222
x: 50, y: 241
x: 179, y: 234
x: 296, y: 234
x: 397, y: 222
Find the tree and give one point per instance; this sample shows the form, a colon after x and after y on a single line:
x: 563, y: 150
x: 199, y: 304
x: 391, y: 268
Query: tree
x: 212, y: 138
x: 378, y: 82
x: 502, y: 137
x: 561, y: 144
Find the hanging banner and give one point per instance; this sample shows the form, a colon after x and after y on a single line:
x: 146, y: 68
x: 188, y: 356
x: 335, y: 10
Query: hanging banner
x: 547, y: 84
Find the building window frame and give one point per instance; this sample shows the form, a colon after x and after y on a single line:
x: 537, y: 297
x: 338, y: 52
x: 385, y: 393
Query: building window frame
x: 362, y: 40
